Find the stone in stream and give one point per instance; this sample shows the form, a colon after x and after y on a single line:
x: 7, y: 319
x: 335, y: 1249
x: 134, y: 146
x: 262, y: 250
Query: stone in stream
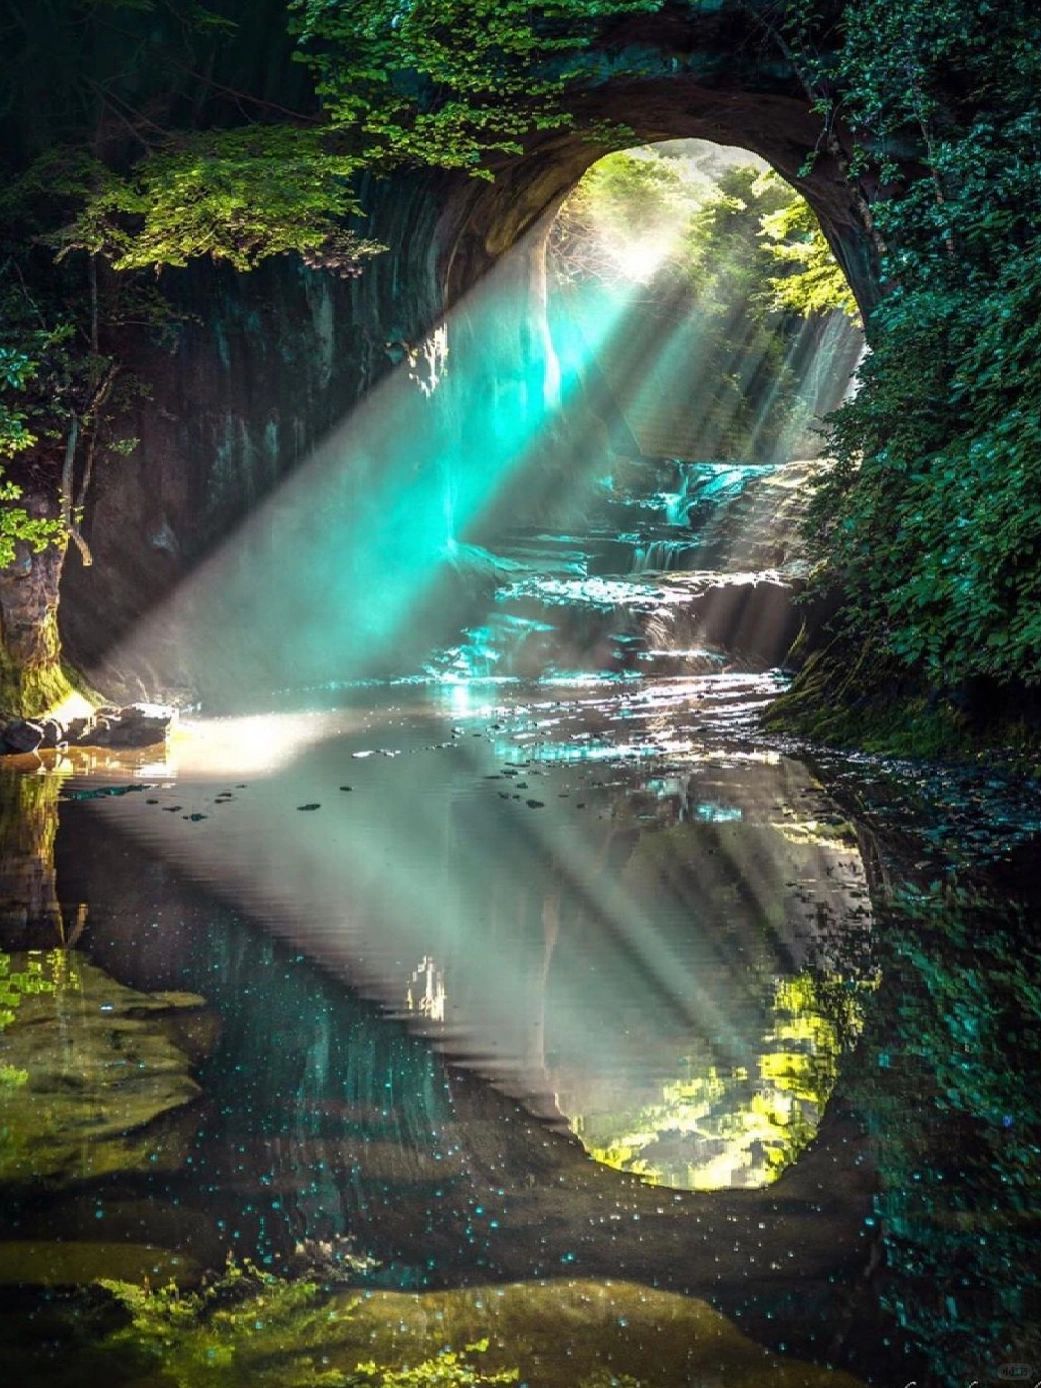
x: 53, y: 732
x: 613, y: 1332
x: 20, y: 735
x: 76, y: 1263
x: 96, y: 1077
x: 135, y: 725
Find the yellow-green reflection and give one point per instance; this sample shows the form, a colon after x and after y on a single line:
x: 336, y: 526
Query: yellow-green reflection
x: 740, y: 1127
x: 87, y: 1067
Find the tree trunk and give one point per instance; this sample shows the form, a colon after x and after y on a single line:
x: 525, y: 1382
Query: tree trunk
x: 31, y: 677
x: 29, y: 913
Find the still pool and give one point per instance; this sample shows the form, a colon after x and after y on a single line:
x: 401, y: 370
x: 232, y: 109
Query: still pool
x: 568, y: 1016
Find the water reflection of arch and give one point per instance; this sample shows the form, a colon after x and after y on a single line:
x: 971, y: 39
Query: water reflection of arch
x: 324, y: 1118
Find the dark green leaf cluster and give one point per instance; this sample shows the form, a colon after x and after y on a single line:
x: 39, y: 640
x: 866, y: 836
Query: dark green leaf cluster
x: 946, y: 1085
x: 449, y: 82
x: 932, y: 519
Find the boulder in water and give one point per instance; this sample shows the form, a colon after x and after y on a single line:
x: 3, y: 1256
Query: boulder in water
x: 90, y: 1067
x: 20, y: 735
x: 134, y: 725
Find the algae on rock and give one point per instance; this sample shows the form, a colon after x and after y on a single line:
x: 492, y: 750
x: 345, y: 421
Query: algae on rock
x: 100, y: 1062
x: 557, y: 1334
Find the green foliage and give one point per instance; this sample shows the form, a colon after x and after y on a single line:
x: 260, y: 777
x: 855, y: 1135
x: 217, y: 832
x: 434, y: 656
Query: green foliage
x: 448, y: 82
x: 931, y: 519
x: 13, y: 988
x: 16, y: 370
x: 210, y: 1333
x: 812, y: 281
x: 238, y: 196
x: 946, y: 1084
x: 625, y: 196
x: 20, y: 366
x: 249, y: 1328
x: 87, y: 204
x: 19, y: 526
x: 725, y: 239
x: 448, y: 1370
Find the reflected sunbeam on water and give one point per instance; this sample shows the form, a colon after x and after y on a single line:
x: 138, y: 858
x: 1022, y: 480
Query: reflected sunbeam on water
x: 464, y: 985
x: 630, y: 947
x: 632, y: 926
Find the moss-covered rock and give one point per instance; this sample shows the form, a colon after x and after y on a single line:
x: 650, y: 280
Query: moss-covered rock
x: 95, y: 1064
x: 249, y: 1331
x: 562, y: 1332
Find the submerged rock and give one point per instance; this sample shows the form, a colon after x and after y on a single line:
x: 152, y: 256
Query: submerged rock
x: 91, y: 1065
x: 73, y: 1263
x: 566, y: 1333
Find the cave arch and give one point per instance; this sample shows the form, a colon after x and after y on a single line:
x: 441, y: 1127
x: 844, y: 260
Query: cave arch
x: 706, y: 79
x: 269, y: 363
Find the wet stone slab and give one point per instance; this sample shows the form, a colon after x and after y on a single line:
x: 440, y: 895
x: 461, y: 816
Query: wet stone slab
x: 89, y: 1067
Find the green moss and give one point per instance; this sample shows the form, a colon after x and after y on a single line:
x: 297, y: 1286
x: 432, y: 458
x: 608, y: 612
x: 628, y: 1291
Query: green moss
x: 28, y: 690
x: 657, y: 1338
x: 33, y: 691
x: 99, y: 1069
x: 252, y: 1328
x: 869, y: 704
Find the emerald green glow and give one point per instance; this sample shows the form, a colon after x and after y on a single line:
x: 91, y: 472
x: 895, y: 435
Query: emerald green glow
x: 335, y: 576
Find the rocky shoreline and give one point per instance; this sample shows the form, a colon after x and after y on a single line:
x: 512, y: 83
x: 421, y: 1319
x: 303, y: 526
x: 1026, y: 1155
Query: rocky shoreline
x: 133, y: 725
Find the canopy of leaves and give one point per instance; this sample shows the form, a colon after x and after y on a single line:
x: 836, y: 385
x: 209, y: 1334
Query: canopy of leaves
x: 711, y: 240
x: 931, y: 521
x: 447, y: 82
x: 238, y: 196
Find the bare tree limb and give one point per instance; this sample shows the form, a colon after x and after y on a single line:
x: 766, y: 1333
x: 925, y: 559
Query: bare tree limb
x: 67, y: 508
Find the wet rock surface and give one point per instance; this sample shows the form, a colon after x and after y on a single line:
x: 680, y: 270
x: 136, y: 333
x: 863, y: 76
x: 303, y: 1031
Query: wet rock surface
x: 90, y: 1066
x: 621, y: 1332
x: 79, y: 1263
x: 133, y: 725
x: 21, y: 735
